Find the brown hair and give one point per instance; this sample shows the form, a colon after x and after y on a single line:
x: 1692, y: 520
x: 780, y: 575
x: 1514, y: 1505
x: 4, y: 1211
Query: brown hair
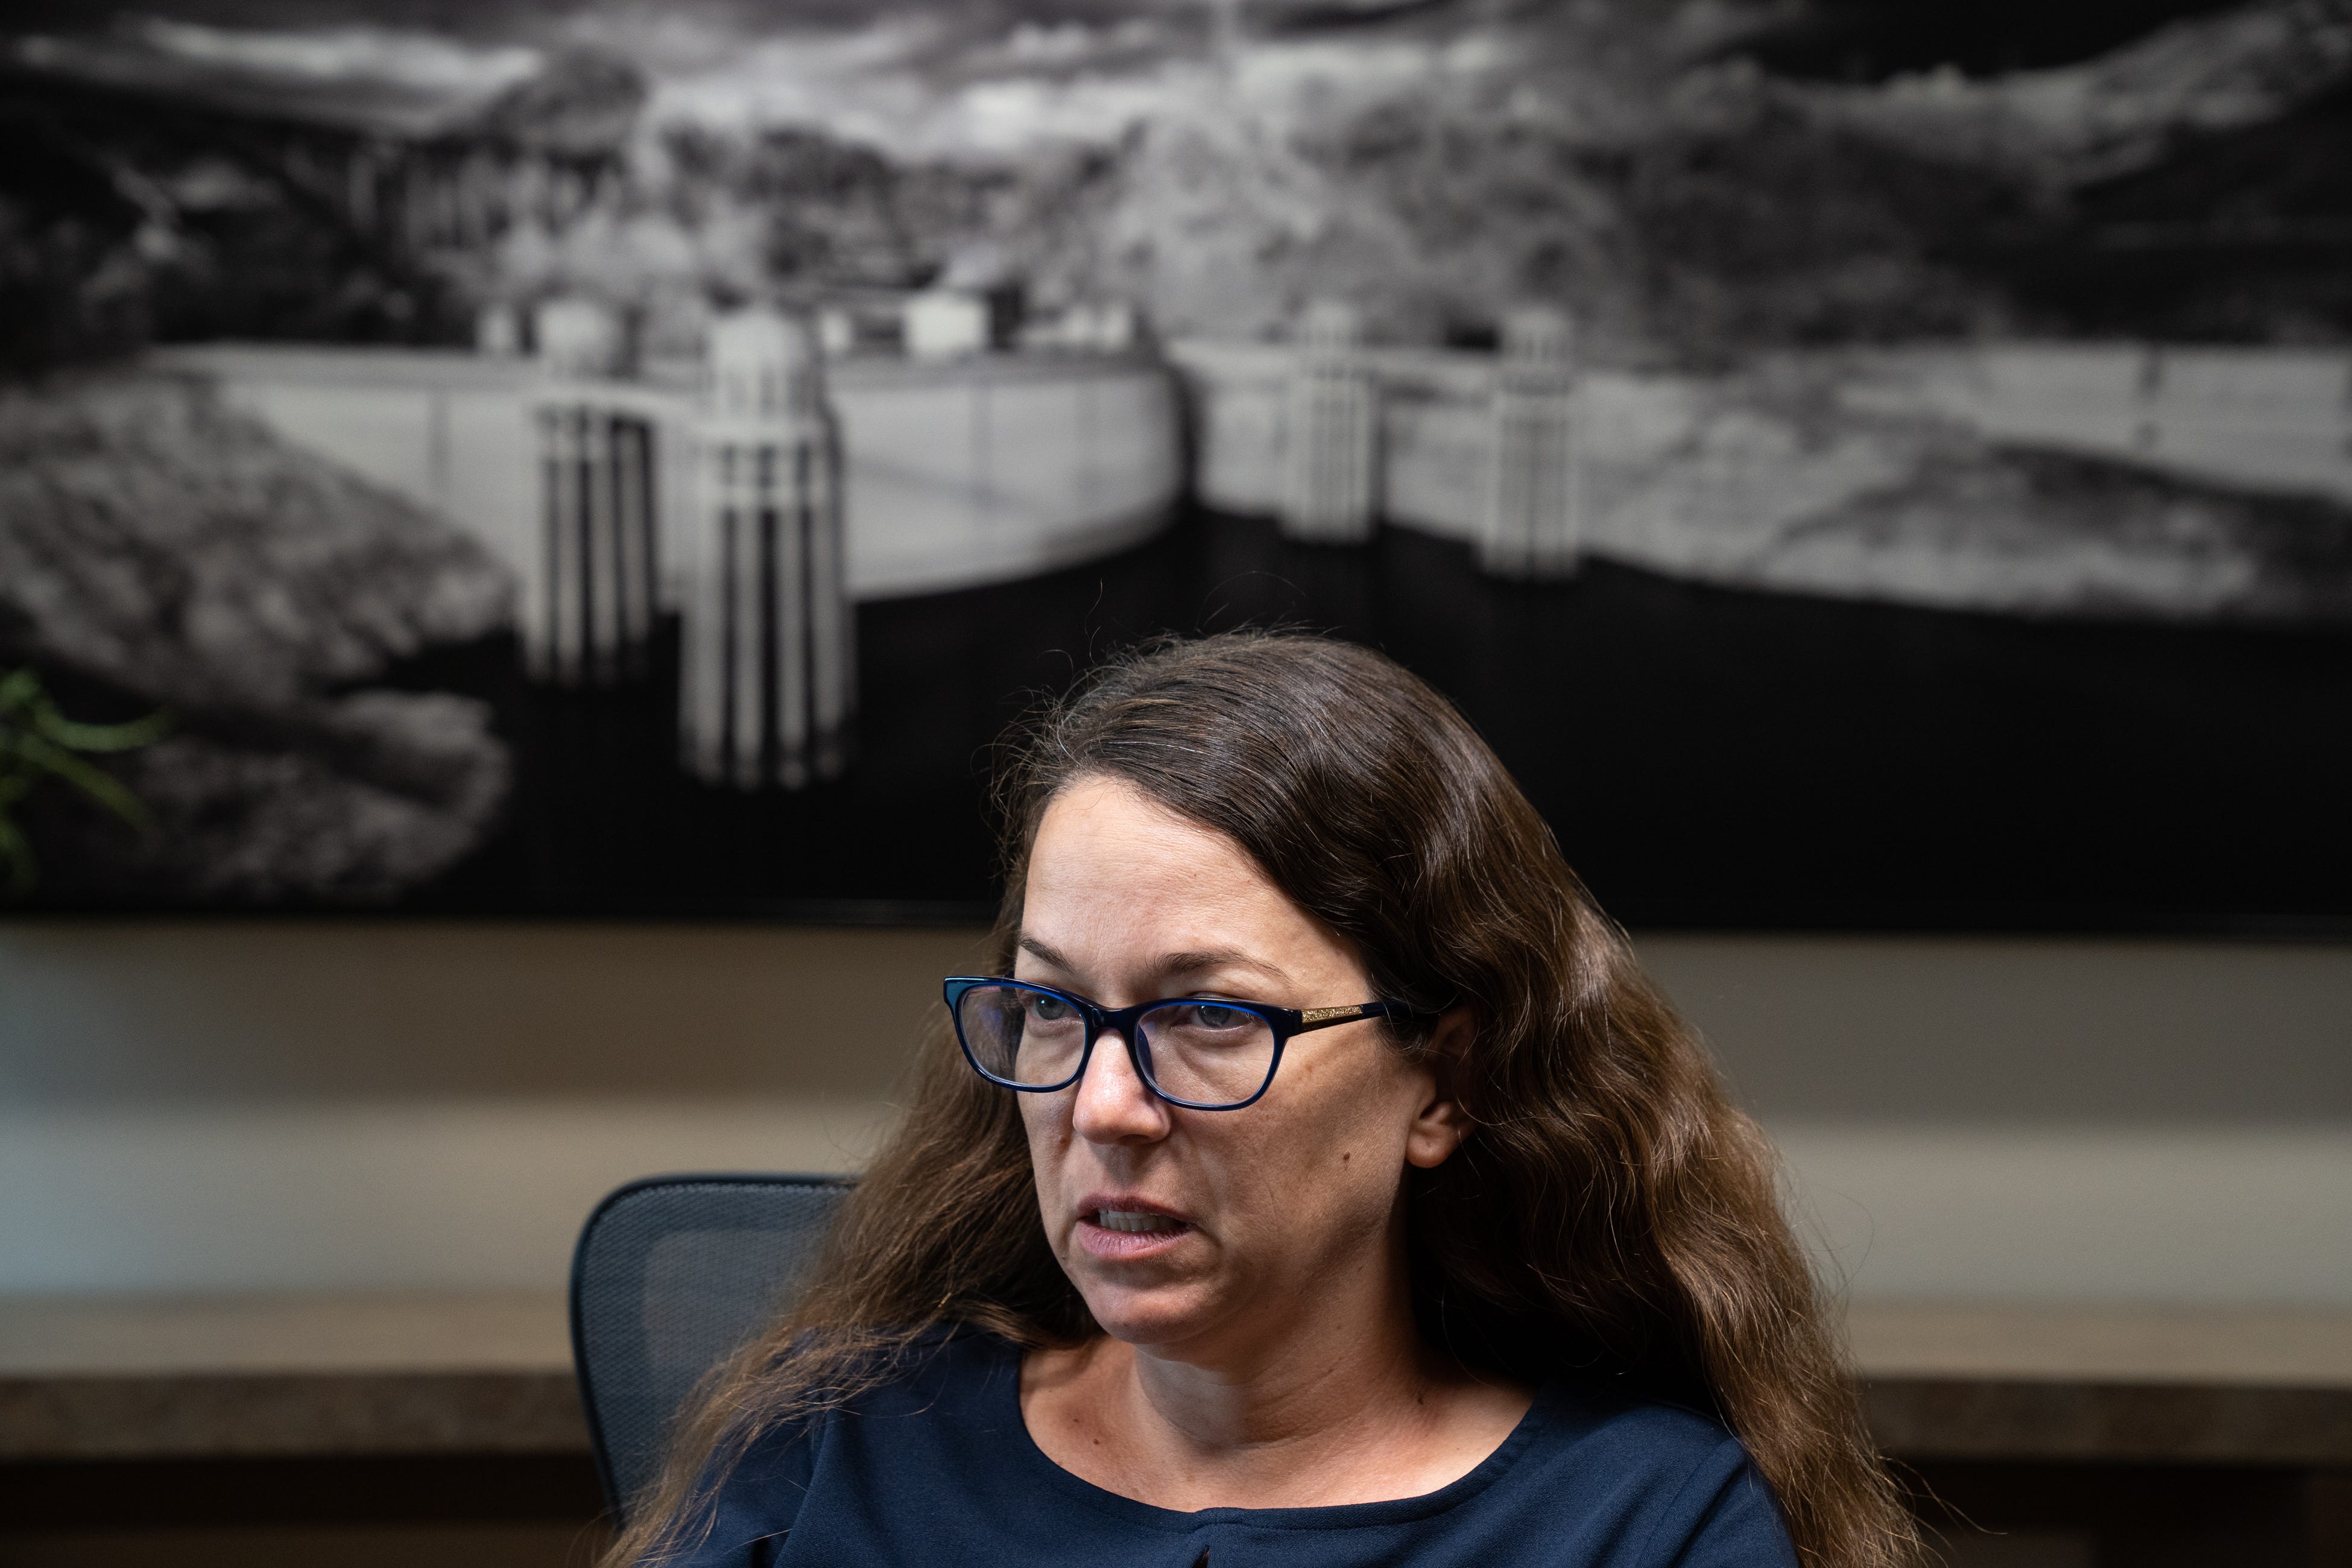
x: 1611, y: 1212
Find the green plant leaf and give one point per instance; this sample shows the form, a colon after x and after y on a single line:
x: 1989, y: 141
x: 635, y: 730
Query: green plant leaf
x: 16, y: 856
x: 100, y: 786
x: 80, y: 737
x: 39, y: 743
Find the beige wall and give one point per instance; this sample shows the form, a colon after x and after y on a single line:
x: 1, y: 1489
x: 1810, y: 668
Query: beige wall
x: 166, y: 1011
x: 228, y: 1105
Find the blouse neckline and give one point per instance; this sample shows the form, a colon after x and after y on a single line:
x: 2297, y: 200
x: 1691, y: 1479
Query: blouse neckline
x: 1323, y: 1516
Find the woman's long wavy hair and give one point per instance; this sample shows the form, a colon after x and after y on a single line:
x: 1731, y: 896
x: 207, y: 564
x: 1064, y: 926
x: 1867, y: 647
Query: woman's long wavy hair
x: 1610, y: 1216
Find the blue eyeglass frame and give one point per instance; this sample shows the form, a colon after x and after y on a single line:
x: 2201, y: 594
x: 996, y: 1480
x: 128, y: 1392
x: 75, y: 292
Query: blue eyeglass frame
x: 1284, y: 1022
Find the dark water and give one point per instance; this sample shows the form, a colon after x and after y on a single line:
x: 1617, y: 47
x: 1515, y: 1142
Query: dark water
x: 1709, y: 757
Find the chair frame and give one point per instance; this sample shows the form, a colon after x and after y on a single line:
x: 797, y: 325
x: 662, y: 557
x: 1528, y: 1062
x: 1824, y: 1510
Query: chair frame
x: 587, y: 1380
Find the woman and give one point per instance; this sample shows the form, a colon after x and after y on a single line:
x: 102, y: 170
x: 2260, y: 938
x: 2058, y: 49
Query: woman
x: 1313, y: 1178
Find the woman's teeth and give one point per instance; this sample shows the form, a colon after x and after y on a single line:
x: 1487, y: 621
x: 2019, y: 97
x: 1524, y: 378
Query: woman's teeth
x: 1133, y: 1219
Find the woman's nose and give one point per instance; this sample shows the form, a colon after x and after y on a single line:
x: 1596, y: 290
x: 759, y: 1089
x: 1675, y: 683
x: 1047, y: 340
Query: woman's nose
x: 1114, y: 1105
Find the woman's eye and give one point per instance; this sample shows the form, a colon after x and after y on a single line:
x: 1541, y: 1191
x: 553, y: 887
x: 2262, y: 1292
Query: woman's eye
x: 1208, y: 1015
x: 1049, y: 1009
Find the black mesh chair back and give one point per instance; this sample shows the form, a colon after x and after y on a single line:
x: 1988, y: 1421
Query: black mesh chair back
x: 673, y: 1275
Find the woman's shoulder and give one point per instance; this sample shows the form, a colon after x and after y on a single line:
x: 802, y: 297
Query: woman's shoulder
x: 944, y: 1372
x: 1593, y: 1410
x: 947, y: 1382
x: 927, y: 1395
x: 1675, y: 1477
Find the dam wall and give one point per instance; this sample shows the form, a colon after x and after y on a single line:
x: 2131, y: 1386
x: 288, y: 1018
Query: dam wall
x: 957, y: 475
x: 1881, y: 473
x: 2274, y: 421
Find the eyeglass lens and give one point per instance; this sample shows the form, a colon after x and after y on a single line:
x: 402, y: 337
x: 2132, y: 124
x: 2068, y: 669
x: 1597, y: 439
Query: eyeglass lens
x: 1200, y: 1051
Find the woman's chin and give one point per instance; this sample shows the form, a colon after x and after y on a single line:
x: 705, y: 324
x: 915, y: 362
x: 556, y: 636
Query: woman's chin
x: 1150, y: 1317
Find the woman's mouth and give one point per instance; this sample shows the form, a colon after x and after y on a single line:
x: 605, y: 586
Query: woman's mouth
x: 1137, y: 1220
x: 1110, y: 1234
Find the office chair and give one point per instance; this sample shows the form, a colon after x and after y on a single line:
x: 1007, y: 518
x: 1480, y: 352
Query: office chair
x: 672, y: 1275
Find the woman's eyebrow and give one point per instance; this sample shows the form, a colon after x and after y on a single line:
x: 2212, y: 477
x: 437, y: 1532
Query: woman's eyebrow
x: 1195, y: 962
x: 1199, y: 961
x: 1044, y: 954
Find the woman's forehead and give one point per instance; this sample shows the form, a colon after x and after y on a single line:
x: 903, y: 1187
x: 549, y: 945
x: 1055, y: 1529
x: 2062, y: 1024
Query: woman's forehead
x: 1099, y: 806
x: 1104, y: 842
x: 1120, y: 887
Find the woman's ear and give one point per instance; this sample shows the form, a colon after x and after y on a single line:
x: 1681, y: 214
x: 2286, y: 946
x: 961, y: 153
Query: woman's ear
x: 1443, y: 1122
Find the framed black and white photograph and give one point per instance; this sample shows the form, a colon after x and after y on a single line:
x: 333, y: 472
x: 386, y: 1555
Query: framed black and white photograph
x: 1860, y: 465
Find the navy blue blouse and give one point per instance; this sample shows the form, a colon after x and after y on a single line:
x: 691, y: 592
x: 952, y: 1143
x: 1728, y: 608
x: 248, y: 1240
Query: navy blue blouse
x: 938, y: 1467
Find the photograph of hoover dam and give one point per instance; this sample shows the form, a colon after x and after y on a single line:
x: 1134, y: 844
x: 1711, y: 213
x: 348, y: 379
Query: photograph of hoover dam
x: 1858, y: 469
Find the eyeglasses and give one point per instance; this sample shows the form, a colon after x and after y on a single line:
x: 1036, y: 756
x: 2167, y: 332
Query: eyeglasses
x: 1201, y: 1053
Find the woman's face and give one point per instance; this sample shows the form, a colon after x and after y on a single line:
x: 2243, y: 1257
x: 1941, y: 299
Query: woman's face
x: 1253, y: 1218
